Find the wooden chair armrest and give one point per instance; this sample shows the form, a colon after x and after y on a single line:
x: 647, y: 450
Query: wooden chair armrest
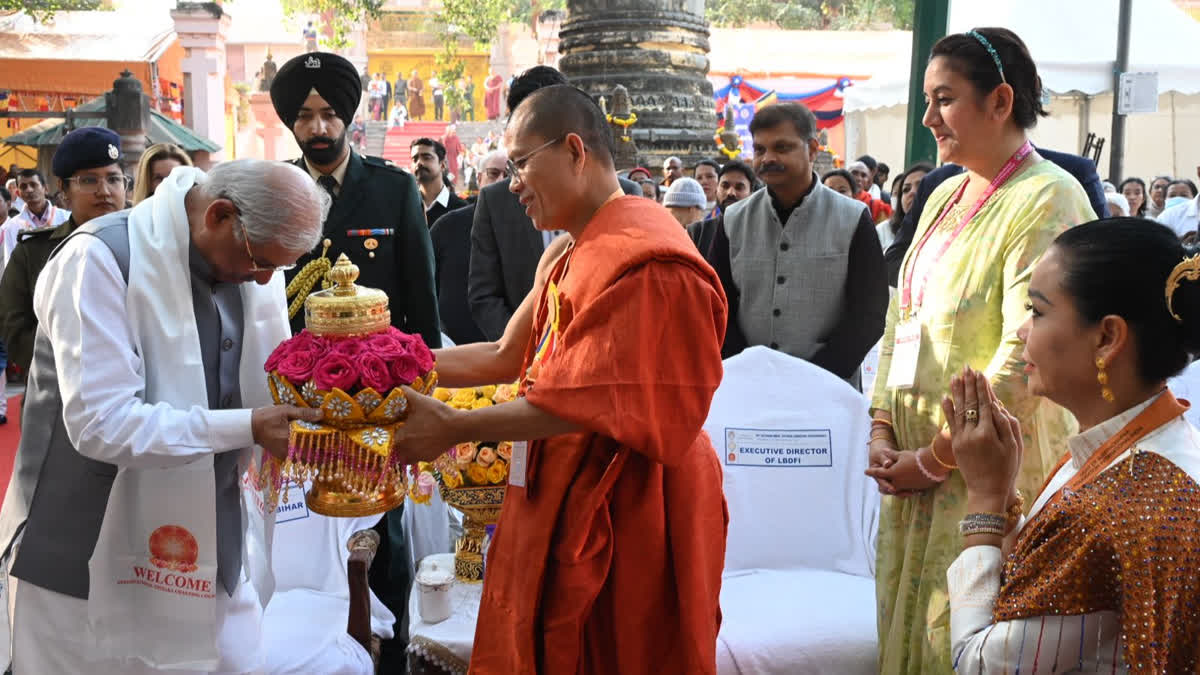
x: 362, y: 545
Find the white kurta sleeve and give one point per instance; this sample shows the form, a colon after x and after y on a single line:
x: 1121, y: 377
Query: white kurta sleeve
x: 80, y: 305
x: 973, y: 582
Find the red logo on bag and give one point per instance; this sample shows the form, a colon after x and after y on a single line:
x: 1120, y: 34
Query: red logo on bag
x: 173, y: 547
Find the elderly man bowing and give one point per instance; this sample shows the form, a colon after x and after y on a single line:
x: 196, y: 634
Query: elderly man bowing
x: 614, y: 508
x: 145, y: 545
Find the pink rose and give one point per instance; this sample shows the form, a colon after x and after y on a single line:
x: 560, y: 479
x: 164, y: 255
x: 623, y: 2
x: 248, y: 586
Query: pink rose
x: 420, y: 353
x: 295, y: 357
x: 308, y: 340
x: 351, y: 347
x: 404, y: 371
x: 297, y: 367
x: 335, y: 371
x: 375, y: 373
x: 276, y: 356
x: 387, y: 347
x: 303, y: 342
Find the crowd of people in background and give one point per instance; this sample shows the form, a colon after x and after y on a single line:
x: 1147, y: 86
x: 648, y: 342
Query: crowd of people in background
x: 966, y: 422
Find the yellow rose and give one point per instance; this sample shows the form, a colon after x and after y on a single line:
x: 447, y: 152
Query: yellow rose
x: 451, y: 479
x: 463, y: 398
x: 442, y: 394
x: 481, y: 403
x: 476, y: 475
x: 497, y: 473
x: 487, y: 391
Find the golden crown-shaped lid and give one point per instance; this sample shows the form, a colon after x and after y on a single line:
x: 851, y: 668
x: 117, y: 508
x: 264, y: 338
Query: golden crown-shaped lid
x: 346, y: 309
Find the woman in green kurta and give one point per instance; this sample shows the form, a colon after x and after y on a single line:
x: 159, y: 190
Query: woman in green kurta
x: 965, y: 284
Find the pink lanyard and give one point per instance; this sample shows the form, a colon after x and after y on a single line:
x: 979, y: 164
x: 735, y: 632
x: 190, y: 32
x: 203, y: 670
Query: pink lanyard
x: 1006, y: 172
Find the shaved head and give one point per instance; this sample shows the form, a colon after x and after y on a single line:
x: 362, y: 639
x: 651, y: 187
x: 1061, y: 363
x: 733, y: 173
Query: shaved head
x: 551, y: 113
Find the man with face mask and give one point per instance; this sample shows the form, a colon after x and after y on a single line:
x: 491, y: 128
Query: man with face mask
x: 808, y: 276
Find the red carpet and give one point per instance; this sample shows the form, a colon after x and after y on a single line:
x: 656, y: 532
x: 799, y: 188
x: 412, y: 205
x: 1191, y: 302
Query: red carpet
x: 396, y: 143
x: 10, y: 434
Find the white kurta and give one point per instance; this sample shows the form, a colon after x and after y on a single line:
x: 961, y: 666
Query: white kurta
x: 1054, y: 643
x: 81, y: 304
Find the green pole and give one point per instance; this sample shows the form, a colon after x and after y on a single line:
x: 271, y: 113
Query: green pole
x: 929, y: 25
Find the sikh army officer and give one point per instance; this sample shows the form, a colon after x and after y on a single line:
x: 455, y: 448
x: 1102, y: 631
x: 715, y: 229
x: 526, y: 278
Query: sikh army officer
x: 377, y: 218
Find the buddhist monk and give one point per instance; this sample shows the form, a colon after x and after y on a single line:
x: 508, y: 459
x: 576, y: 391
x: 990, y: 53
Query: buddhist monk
x: 609, y: 550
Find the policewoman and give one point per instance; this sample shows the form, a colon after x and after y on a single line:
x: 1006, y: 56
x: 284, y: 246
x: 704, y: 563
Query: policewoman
x: 87, y: 163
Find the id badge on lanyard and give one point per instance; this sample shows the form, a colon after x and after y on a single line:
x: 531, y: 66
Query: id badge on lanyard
x: 903, y: 371
x: 517, y: 466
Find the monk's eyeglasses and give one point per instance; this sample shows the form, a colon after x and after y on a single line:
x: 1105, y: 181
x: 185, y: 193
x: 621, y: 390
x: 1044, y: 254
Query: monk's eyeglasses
x: 515, y: 166
x: 255, y: 266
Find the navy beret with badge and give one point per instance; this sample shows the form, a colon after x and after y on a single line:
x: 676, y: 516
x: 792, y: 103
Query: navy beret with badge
x: 332, y: 76
x: 86, y: 148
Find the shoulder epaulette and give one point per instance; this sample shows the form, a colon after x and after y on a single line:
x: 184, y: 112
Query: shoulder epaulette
x: 39, y: 232
x: 383, y: 163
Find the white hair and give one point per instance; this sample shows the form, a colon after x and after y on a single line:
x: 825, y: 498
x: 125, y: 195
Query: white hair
x: 279, y: 203
x: 494, y: 154
x: 858, y: 165
x: 1119, y: 200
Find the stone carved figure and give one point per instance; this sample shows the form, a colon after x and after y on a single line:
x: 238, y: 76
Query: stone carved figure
x: 268, y: 73
x: 622, y: 118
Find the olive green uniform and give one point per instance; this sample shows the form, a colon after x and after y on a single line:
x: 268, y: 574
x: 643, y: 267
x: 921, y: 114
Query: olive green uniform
x: 377, y: 195
x: 18, y: 324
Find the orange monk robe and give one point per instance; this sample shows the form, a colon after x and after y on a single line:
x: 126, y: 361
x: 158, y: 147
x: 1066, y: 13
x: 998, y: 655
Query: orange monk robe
x: 610, y: 559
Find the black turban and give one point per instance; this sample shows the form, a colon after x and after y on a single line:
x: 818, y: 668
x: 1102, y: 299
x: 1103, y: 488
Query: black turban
x: 332, y: 76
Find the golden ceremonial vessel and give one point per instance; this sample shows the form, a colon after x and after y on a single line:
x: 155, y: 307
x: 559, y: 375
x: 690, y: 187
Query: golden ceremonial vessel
x: 480, y: 507
x: 349, y: 362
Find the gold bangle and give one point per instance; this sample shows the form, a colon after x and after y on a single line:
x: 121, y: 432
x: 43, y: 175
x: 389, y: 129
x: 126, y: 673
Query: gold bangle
x: 882, y: 422
x: 937, y: 459
x: 1014, y: 512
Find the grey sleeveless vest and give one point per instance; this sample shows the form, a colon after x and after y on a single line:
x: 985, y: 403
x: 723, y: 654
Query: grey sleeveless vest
x: 792, y: 275
x: 65, y: 493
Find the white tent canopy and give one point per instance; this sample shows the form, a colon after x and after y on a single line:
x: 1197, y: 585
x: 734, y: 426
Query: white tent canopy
x: 1073, y: 42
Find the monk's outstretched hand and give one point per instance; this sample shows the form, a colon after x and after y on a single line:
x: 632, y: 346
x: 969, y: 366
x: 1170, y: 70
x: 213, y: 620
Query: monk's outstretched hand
x: 272, y: 424
x: 428, y: 429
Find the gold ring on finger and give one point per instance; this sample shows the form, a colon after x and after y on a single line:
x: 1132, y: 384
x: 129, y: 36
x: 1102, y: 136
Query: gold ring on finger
x: 972, y: 415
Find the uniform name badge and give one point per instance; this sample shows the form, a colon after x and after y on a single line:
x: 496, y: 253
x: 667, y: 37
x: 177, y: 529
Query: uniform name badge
x: 516, y: 467
x: 903, y: 371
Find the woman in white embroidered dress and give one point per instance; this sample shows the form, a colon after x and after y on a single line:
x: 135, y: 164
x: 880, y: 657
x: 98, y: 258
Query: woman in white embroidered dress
x: 1105, y: 573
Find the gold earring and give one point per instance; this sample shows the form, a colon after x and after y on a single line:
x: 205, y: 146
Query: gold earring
x: 1102, y: 378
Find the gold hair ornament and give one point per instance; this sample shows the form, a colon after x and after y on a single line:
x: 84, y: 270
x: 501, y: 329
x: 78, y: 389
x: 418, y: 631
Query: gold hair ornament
x: 1188, y: 269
